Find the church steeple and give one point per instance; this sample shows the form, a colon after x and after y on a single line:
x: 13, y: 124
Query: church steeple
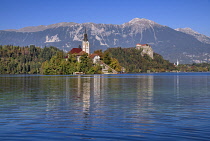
x: 85, y: 43
x: 85, y: 36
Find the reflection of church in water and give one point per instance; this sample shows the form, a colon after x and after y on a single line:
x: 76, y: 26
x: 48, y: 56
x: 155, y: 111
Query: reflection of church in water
x: 89, y: 90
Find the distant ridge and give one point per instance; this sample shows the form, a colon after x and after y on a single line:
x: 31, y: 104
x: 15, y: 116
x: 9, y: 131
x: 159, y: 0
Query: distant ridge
x: 198, y: 36
x: 42, y: 27
x: 185, y: 45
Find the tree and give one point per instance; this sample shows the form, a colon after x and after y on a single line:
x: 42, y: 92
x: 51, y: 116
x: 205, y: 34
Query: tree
x: 85, y: 63
x: 16, y: 60
x: 107, y: 58
x: 115, y: 64
x: 132, y: 60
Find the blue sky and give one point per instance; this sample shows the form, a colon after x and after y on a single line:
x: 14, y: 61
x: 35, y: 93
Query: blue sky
x: 15, y: 14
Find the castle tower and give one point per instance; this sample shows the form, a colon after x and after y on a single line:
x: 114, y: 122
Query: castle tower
x: 85, y: 44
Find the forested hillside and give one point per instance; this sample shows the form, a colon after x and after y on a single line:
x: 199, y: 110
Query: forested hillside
x: 48, y: 60
x: 57, y: 65
x: 133, y: 61
x: 24, y: 60
x: 51, y: 60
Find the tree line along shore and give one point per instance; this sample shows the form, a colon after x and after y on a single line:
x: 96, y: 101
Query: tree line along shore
x: 52, y: 61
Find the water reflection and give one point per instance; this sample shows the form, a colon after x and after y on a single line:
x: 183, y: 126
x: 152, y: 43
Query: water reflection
x: 96, y: 90
x: 145, y: 88
x: 88, y: 91
x: 126, y: 106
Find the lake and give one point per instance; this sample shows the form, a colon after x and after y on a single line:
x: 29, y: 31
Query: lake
x: 159, y: 106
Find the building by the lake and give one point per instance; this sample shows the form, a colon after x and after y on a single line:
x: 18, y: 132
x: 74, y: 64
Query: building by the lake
x: 84, y: 49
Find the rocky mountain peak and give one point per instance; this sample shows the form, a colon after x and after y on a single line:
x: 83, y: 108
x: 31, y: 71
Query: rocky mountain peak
x: 187, y: 30
x: 139, y: 21
x: 141, y: 24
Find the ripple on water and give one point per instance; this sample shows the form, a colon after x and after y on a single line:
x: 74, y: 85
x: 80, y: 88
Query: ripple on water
x: 105, y: 107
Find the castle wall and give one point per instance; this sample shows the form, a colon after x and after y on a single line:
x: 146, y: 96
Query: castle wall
x: 146, y: 49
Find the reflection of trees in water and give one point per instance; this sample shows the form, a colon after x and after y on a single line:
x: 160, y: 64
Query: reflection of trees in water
x: 144, y: 93
x: 83, y: 98
x: 145, y: 89
x: 21, y: 87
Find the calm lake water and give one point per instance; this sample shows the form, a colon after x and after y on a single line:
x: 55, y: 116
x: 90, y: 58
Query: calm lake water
x: 162, y: 106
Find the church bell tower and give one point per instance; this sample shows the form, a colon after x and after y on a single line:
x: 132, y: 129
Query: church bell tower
x: 85, y: 44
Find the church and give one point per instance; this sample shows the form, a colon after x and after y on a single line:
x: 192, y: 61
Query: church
x: 84, y: 49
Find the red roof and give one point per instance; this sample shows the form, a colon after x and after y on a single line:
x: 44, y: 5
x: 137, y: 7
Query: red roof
x: 93, y: 55
x: 81, y: 53
x: 142, y: 44
x: 75, y: 50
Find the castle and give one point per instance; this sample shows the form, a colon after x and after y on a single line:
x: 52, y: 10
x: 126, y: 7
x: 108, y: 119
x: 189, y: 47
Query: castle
x: 146, y: 49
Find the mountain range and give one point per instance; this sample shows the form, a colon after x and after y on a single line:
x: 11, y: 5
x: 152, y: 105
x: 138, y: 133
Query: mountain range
x: 183, y: 44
